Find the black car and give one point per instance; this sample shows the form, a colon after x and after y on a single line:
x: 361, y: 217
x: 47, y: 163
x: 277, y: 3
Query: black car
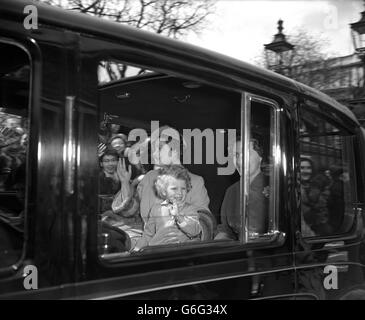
x: 70, y: 85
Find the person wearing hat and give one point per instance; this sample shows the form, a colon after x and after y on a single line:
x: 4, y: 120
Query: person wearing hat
x: 165, y: 152
x: 118, y: 142
x: 231, y: 226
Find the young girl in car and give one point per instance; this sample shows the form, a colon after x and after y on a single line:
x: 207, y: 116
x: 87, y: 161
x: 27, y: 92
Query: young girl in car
x: 171, y: 219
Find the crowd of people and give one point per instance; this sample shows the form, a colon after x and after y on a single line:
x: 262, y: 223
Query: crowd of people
x: 13, y: 145
x: 162, y: 205
x: 323, y: 203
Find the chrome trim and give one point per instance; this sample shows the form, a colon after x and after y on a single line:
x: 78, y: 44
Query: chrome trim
x: 334, y: 244
x: 191, y: 283
x: 69, y: 146
x: 245, y: 157
x: 307, y: 294
x: 277, y: 158
x: 317, y: 265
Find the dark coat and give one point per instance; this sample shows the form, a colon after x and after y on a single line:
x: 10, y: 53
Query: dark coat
x: 258, y: 209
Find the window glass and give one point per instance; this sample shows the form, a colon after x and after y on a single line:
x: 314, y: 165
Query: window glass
x: 14, y: 130
x: 328, y: 180
x: 113, y: 70
x: 164, y: 161
x: 262, y: 172
x: 170, y: 160
x: 259, y: 175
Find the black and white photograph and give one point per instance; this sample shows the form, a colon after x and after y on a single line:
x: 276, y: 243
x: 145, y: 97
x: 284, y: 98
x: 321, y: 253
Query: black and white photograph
x: 180, y: 155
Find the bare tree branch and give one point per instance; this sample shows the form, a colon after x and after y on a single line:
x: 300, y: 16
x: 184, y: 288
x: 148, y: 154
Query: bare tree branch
x: 173, y: 18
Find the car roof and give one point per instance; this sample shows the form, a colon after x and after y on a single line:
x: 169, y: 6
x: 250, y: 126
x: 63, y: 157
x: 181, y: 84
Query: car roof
x: 109, y: 29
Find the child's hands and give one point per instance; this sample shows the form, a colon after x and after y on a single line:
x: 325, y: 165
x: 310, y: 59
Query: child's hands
x: 134, y: 250
x: 174, y: 209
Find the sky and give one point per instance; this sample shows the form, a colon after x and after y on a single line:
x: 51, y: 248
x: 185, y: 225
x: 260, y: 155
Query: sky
x: 240, y: 28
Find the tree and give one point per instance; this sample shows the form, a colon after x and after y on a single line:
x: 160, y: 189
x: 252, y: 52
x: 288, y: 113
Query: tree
x: 309, y: 63
x: 172, y: 18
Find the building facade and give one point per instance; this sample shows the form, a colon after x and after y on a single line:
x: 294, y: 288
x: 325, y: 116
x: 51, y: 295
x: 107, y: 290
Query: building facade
x: 341, y: 78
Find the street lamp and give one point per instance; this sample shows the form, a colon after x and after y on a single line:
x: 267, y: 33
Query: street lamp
x: 279, y: 52
x: 358, y: 36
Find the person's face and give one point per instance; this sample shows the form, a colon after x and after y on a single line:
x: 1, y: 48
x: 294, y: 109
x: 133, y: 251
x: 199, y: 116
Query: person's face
x: 305, y: 170
x: 255, y: 159
x: 163, y: 154
x: 24, y: 140
x: 176, y: 190
x: 109, y: 164
x: 118, y: 144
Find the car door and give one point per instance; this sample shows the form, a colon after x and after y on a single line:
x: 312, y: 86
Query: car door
x: 156, y: 86
x: 39, y: 93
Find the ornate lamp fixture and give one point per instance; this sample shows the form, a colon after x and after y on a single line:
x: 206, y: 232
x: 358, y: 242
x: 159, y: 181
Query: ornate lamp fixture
x: 358, y: 36
x: 279, y: 53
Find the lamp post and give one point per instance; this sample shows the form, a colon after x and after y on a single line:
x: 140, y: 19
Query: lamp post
x: 279, y: 52
x: 358, y: 38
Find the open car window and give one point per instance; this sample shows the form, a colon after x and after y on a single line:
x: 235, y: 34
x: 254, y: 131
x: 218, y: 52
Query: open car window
x: 149, y: 121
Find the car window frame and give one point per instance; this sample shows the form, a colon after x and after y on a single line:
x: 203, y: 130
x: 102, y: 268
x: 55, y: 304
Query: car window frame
x: 242, y: 86
x: 274, y: 238
x: 275, y: 234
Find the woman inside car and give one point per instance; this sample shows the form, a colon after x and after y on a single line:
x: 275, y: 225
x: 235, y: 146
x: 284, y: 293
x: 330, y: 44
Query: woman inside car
x: 167, y: 152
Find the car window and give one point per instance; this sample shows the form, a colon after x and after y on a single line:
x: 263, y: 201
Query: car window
x: 328, y: 178
x: 14, y: 131
x: 170, y: 162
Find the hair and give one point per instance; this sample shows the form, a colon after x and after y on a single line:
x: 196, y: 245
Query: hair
x: 109, y: 152
x: 166, y: 172
x: 181, y: 141
x: 121, y: 136
x: 257, y: 146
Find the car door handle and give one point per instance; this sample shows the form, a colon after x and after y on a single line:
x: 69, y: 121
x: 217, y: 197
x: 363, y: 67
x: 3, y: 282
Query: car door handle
x: 341, y: 256
x: 335, y: 258
x: 69, y: 145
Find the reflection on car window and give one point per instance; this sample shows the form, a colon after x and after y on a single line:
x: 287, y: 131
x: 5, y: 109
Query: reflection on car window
x: 260, y: 209
x: 328, y: 180
x: 154, y: 127
x: 149, y: 123
x: 14, y: 134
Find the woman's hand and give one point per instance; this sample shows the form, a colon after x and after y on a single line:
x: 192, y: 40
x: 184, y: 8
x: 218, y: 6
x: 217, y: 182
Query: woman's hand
x: 124, y: 175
